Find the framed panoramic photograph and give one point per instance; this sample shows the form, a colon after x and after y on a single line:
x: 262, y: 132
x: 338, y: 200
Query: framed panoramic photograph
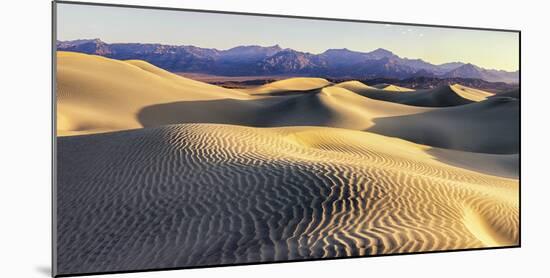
x: 190, y: 138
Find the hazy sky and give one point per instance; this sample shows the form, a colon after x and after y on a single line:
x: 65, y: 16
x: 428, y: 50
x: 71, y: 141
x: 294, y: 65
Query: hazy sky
x: 488, y: 49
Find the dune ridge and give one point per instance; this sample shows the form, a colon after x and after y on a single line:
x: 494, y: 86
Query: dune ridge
x: 289, y: 85
x: 470, y: 93
x: 391, y: 87
x: 354, y: 85
x: 203, y: 194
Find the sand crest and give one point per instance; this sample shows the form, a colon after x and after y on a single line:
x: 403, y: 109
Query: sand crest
x: 289, y: 85
x: 390, y: 87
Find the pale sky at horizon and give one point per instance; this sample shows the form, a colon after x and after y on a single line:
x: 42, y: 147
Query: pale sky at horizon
x: 488, y: 49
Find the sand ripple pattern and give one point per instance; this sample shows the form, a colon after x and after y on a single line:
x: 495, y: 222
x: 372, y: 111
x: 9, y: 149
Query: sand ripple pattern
x: 208, y: 194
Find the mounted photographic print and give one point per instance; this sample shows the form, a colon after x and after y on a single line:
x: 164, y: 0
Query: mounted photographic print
x: 189, y: 138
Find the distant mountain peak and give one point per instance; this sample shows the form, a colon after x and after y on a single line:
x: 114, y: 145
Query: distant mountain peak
x: 470, y: 65
x: 338, y: 50
x: 380, y: 53
x: 466, y: 71
x: 382, y: 50
x: 334, y: 50
x: 249, y: 53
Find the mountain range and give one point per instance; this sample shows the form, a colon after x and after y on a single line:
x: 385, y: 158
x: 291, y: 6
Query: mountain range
x: 275, y: 60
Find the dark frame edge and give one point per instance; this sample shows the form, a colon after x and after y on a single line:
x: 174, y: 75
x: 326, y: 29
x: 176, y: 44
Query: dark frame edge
x: 54, y: 139
x: 286, y: 262
x: 519, y: 140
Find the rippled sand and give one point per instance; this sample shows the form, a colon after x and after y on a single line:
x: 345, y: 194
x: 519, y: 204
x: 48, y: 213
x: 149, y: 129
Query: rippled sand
x: 198, y: 194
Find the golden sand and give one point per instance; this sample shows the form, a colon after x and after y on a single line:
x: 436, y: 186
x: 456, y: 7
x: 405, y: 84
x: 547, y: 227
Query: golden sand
x: 290, y: 85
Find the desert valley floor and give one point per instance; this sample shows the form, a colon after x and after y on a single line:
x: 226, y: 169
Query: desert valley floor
x: 155, y: 170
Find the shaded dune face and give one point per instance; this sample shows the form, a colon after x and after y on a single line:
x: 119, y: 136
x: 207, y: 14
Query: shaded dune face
x: 204, y: 194
x: 512, y: 93
x: 444, y: 96
x: 490, y: 126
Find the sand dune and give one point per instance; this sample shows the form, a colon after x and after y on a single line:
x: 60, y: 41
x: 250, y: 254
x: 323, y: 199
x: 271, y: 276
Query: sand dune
x: 203, y: 194
x: 354, y: 86
x: 390, y: 87
x: 489, y: 126
x: 334, y: 107
x: 96, y: 94
x: 289, y: 85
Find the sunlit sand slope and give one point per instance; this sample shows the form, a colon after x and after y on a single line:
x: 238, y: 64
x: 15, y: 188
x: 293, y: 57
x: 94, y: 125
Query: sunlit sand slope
x: 96, y: 94
x: 203, y: 194
x: 470, y: 93
x: 289, y: 85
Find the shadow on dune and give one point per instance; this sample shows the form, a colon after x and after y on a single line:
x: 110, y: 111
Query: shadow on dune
x: 501, y: 165
x: 296, y: 110
x: 224, y: 111
x: 489, y: 126
x: 443, y: 96
x: 512, y: 93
